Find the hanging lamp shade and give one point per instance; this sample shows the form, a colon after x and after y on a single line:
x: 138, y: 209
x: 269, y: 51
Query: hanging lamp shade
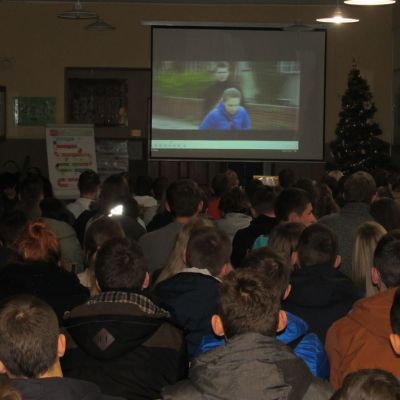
x: 369, y: 2
x: 338, y: 18
x: 77, y: 13
x: 100, y: 25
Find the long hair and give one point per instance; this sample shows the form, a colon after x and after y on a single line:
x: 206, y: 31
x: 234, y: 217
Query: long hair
x: 37, y: 243
x: 366, y: 239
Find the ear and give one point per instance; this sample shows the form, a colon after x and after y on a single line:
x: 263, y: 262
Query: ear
x: 282, y: 321
x: 253, y: 212
x: 338, y: 261
x: 200, y: 207
x: 146, y: 281
x: 61, y: 345
x: 293, y: 217
x: 167, y: 207
x: 294, y: 258
x: 2, y: 368
x: 98, y: 286
x: 183, y: 255
x: 287, y: 291
x: 217, y: 325
x: 375, y: 276
x: 395, y: 342
x: 225, y: 270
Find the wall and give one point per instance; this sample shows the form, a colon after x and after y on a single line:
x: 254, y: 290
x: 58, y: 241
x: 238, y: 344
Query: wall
x: 42, y: 45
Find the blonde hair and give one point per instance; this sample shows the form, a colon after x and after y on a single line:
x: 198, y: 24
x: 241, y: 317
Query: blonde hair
x: 366, y: 239
x: 175, y: 261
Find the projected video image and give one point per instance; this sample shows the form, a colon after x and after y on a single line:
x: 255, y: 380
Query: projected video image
x: 220, y: 95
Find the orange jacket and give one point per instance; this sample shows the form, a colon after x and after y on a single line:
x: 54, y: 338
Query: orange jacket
x: 361, y: 339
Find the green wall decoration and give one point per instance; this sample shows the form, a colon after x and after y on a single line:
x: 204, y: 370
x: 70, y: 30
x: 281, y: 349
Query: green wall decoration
x: 34, y: 111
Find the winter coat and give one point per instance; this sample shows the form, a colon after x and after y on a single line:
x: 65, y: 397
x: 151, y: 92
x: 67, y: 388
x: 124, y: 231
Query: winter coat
x: 220, y: 119
x: 58, y: 388
x: 250, y: 366
x: 320, y: 295
x: 125, y: 344
x: 361, y: 339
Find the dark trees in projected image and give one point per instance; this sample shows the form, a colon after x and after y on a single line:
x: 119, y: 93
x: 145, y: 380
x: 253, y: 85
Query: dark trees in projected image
x: 357, y: 146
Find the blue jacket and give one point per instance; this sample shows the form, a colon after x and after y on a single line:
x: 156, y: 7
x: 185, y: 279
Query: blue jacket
x: 307, y: 346
x: 219, y: 119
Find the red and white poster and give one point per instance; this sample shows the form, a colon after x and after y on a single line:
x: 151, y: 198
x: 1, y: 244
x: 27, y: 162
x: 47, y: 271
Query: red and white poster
x: 70, y: 151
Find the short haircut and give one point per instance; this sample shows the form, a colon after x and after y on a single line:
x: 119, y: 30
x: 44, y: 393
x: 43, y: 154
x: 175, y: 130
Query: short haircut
x: 387, y: 258
x: 88, y: 182
x: 318, y: 244
x: 248, y: 302
x: 395, y: 313
x: 234, y: 201
x: 369, y: 384
x: 209, y: 248
x: 120, y: 265
x: 286, y: 178
x: 276, y: 267
x: 263, y: 200
x: 183, y: 197
x: 31, y: 189
x: 359, y: 187
x: 291, y: 200
x: 386, y: 211
x: 28, y: 336
x: 231, y: 93
x: 220, y: 184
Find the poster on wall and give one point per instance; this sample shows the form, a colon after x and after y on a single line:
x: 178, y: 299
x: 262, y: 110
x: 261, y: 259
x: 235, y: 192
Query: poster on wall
x: 70, y: 151
x: 112, y: 157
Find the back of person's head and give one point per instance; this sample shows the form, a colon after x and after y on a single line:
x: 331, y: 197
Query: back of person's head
x: 386, y: 211
x: 263, y: 200
x: 365, y: 241
x: 120, y: 265
x: 37, y: 243
x: 308, y: 186
x: 332, y: 183
x: 144, y: 186
x: 248, y: 302
x: 387, y: 259
x: 31, y: 189
x: 99, y: 232
x: 318, y: 244
x: 325, y: 203
x: 8, y: 392
x: 284, y: 238
x: 113, y: 188
x: 234, y: 201
x: 359, y: 187
x: 88, y: 182
x: 208, y: 248
x: 289, y: 201
x: 220, y: 184
x: 159, y: 187
x: 11, y: 225
x: 55, y: 209
x: 184, y: 198
x: 369, y: 384
x: 252, y: 186
x: 29, y: 335
x: 276, y: 267
x: 286, y: 178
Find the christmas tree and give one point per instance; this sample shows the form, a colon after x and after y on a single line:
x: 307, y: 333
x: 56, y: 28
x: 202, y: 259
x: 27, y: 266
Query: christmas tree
x: 357, y: 146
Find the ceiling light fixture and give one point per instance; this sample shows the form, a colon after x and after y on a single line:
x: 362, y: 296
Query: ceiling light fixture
x: 77, y: 13
x: 338, y: 18
x: 369, y: 2
x: 100, y: 25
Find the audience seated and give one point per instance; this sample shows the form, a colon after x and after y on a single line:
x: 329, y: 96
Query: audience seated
x: 31, y: 193
x: 360, y: 339
x: 184, y: 202
x: 365, y: 241
x: 262, y: 209
x: 191, y: 294
x: 30, y: 349
x: 37, y: 270
x: 320, y: 293
x: 252, y: 364
x: 235, y: 209
x: 120, y: 339
x: 359, y: 190
x: 60, y: 221
x: 287, y: 178
x: 369, y: 384
x: 386, y: 212
x: 88, y: 185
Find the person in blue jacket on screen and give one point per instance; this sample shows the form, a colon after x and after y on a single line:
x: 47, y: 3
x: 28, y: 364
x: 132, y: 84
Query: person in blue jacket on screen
x: 228, y: 113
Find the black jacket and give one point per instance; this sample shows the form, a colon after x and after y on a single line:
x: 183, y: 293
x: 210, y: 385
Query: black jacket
x: 320, y: 294
x: 58, y: 388
x: 59, y: 288
x: 124, y: 343
x: 249, y: 367
x: 245, y: 238
x: 191, y: 298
